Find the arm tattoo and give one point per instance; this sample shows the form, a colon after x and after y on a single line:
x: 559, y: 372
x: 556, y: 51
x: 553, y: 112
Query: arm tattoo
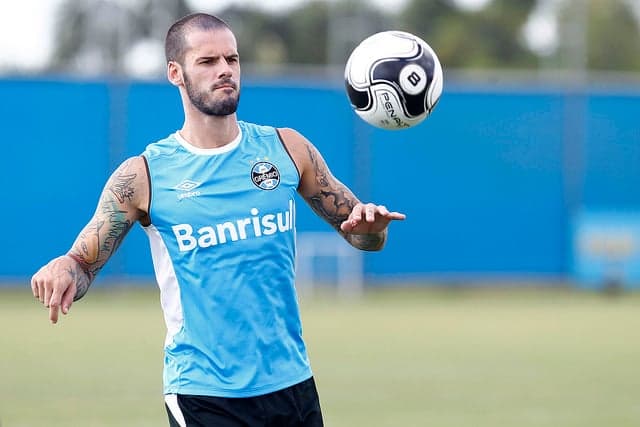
x: 332, y: 202
x: 122, y: 188
x: 81, y: 279
x: 333, y: 206
x: 108, y: 227
x: 367, y: 242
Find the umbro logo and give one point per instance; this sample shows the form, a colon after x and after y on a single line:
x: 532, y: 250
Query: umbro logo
x: 187, y: 187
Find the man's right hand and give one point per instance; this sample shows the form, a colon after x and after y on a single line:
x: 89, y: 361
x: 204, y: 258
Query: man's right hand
x: 57, y: 283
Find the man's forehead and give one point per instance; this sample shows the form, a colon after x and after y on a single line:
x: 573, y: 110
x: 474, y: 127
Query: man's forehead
x: 219, y: 39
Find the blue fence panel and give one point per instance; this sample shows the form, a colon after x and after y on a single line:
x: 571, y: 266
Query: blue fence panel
x: 56, y: 152
x: 612, y: 172
x: 489, y: 182
x: 481, y: 183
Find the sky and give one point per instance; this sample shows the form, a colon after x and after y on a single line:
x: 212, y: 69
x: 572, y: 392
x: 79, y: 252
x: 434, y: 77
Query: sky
x: 283, y: 4
x: 29, y: 46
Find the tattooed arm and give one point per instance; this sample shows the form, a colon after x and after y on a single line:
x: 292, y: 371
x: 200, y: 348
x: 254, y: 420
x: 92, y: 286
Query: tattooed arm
x: 364, y: 226
x: 124, y: 200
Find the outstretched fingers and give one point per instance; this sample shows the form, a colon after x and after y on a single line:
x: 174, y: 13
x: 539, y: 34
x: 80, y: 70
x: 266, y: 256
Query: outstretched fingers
x: 67, y: 299
x: 61, y: 300
x: 369, y: 218
x: 396, y: 216
x: 54, y: 304
x: 35, y: 289
x: 385, y: 213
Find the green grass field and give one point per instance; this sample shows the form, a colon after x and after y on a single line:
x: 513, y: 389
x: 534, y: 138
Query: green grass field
x: 465, y: 358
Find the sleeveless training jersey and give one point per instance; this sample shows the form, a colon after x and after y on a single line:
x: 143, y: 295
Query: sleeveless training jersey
x: 222, y: 239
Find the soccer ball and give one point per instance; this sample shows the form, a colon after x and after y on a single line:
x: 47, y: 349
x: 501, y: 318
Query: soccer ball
x: 393, y: 80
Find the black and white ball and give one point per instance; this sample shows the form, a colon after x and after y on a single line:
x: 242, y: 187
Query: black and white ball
x: 393, y: 80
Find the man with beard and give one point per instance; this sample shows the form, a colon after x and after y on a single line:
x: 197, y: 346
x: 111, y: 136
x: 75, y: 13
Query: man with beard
x: 216, y: 199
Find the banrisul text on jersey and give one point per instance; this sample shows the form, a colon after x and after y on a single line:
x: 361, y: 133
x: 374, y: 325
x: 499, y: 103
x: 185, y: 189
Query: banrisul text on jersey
x: 257, y: 225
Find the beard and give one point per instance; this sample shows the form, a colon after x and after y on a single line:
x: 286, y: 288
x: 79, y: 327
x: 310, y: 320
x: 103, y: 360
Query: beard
x: 200, y: 99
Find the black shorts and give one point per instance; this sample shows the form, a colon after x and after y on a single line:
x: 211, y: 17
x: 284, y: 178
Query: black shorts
x: 297, y: 406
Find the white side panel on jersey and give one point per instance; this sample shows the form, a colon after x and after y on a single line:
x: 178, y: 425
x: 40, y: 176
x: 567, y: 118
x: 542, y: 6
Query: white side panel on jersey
x: 168, y: 283
x: 172, y: 403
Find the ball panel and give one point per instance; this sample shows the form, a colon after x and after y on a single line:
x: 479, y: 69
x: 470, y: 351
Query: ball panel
x: 360, y: 99
x: 385, y: 44
x: 435, y: 90
x: 387, y: 110
x: 389, y: 70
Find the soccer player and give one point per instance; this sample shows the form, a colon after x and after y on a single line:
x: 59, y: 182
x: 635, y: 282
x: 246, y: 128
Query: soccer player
x: 216, y: 199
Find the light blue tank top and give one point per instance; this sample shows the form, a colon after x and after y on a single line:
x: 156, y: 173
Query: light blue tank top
x: 222, y: 239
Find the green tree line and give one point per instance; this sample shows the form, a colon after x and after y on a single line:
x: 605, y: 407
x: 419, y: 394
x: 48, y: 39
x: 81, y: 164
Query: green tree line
x: 591, y: 34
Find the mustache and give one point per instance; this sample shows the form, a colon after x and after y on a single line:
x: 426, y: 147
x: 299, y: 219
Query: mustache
x: 225, y: 82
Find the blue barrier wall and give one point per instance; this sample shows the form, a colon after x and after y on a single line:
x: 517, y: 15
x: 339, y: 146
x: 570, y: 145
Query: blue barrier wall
x: 490, y: 183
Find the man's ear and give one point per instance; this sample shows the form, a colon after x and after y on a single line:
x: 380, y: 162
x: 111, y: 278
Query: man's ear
x: 174, y: 73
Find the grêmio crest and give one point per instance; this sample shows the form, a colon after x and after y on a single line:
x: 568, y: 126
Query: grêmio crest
x: 265, y: 176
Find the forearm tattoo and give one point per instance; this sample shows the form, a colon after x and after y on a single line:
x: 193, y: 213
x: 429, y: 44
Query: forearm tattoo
x: 367, y: 242
x: 109, y: 225
x: 334, y: 202
x: 82, y: 280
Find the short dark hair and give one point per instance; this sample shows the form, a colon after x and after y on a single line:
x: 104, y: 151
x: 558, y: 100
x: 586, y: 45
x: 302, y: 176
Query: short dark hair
x: 175, y: 43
